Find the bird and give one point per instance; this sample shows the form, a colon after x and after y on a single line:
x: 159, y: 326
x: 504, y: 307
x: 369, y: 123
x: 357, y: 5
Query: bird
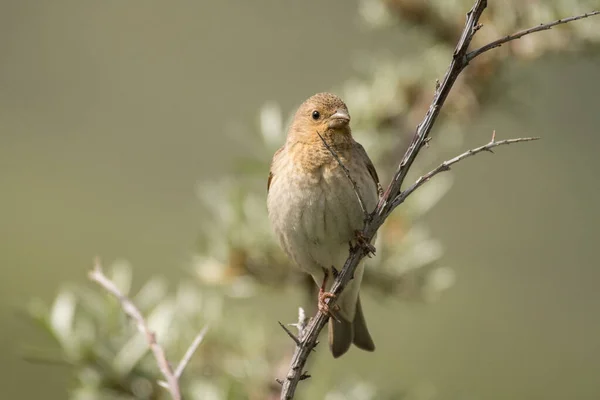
x: 315, y: 212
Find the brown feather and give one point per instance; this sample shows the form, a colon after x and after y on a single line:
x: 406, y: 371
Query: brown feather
x: 370, y: 167
x: 341, y: 336
x: 271, y: 175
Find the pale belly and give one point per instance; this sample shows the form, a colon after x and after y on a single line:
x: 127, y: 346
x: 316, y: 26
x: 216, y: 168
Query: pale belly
x: 315, y: 216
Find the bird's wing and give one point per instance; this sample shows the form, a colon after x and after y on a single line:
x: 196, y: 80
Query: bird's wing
x: 370, y: 167
x: 271, y: 175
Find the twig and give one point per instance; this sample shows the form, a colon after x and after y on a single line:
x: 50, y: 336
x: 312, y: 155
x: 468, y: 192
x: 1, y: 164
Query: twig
x: 445, y: 166
x: 171, y: 377
x: 352, y: 181
x: 131, y: 310
x: 542, y: 27
x: 388, y: 202
x: 190, y: 352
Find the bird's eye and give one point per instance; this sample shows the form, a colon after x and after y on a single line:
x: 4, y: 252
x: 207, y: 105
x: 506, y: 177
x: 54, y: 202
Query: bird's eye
x: 316, y: 115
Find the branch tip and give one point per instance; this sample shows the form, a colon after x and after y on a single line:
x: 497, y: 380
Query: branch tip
x: 517, y: 35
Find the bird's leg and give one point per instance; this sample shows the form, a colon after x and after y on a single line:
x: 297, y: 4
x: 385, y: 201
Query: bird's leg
x: 324, y: 295
x: 361, y: 241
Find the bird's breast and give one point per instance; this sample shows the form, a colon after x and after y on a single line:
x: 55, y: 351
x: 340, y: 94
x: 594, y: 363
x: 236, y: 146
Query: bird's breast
x: 314, y: 212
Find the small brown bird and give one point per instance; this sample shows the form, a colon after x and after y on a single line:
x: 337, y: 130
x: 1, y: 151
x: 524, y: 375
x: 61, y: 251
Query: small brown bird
x: 314, y: 210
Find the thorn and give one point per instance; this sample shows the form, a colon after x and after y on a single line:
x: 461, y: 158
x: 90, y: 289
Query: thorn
x: 279, y: 381
x: 477, y: 27
x: 304, y: 376
x: 437, y: 85
x: 426, y: 141
x: 334, y: 271
x: 493, y: 136
x: 290, y: 334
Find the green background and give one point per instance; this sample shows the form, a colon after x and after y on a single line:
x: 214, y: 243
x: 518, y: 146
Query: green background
x: 112, y: 111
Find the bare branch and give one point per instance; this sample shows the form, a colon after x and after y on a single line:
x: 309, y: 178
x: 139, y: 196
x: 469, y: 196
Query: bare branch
x: 190, y: 352
x: 393, y: 196
x: 352, y: 181
x: 171, y: 377
x: 445, y: 166
x: 131, y: 310
x: 518, y: 35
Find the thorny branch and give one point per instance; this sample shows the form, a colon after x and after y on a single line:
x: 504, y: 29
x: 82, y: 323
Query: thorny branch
x: 542, y: 27
x: 171, y: 377
x: 393, y: 195
x: 445, y: 166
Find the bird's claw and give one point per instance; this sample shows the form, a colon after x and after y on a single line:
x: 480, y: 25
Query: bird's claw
x: 324, y: 307
x: 324, y: 296
x: 363, y: 243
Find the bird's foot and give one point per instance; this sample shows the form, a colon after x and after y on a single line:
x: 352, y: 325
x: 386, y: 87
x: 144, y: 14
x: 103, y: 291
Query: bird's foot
x: 324, y: 296
x: 363, y: 243
x: 324, y: 307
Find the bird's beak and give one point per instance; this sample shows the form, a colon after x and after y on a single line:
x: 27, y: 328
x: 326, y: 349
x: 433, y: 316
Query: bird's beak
x: 339, y: 119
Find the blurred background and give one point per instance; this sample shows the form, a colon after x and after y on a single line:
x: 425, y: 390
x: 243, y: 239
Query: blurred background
x: 141, y: 131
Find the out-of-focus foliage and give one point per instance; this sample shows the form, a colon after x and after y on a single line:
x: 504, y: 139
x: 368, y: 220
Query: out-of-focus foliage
x: 236, y: 250
x: 110, y: 358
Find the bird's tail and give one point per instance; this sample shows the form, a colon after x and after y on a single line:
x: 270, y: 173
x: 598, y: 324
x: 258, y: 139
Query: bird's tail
x: 343, y: 333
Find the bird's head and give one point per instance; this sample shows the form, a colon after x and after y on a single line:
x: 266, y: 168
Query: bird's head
x: 324, y: 113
